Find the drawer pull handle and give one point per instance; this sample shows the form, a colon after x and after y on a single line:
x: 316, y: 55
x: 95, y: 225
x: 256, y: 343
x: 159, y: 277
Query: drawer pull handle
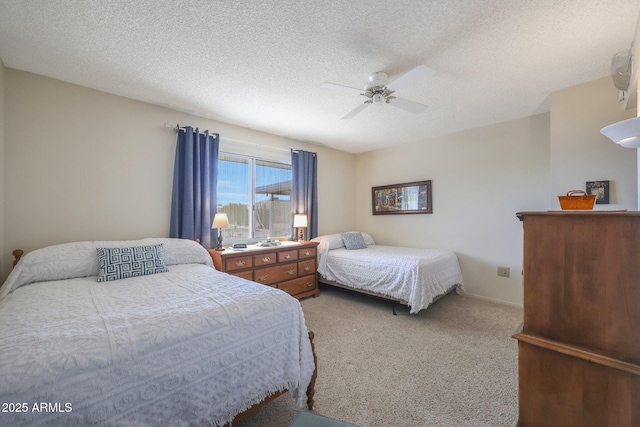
x: 287, y: 257
x: 286, y: 290
x: 307, y: 253
x: 266, y: 259
x: 262, y: 278
x: 309, y: 284
x: 239, y: 263
x: 307, y: 268
x: 291, y: 272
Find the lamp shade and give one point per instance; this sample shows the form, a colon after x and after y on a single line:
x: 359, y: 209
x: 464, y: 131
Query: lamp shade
x: 625, y: 133
x: 300, y: 221
x: 220, y: 221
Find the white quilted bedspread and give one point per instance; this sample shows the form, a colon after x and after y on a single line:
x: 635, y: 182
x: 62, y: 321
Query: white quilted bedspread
x: 412, y: 275
x: 190, y: 347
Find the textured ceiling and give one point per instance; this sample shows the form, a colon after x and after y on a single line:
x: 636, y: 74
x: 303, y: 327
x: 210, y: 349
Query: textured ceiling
x: 259, y: 64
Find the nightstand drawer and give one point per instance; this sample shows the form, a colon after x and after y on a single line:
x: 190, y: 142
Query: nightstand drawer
x: 306, y: 267
x: 264, y: 259
x: 285, y: 256
x: 275, y: 274
x: 238, y: 263
x: 298, y: 286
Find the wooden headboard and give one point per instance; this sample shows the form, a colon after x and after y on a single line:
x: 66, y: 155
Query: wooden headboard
x: 17, y: 254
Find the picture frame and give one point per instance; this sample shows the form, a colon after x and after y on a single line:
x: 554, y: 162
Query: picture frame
x: 601, y: 191
x: 406, y: 198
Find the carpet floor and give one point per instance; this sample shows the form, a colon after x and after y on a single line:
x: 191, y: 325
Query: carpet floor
x: 454, y: 364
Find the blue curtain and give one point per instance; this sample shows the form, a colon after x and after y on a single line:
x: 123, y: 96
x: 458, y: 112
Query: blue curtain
x: 195, y: 177
x: 304, y: 191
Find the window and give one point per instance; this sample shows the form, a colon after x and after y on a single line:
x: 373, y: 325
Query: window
x: 256, y: 196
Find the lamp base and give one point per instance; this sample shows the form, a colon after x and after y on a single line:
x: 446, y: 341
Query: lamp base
x: 300, y: 234
x: 219, y: 246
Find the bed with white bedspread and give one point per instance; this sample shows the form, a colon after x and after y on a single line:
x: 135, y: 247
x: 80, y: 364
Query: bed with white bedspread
x: 412, y: 276
x: 189, y: 346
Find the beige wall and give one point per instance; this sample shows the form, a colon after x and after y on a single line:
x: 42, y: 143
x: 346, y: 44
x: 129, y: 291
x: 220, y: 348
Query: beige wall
x: 480, y: 179
x: 86, y: 165
x: 580, y: 153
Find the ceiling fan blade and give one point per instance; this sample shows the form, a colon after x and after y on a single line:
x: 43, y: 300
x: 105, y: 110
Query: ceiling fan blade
x: 419, y: 73
x: 341, y: 88
x: 355, y: 111
x: 410, y: 106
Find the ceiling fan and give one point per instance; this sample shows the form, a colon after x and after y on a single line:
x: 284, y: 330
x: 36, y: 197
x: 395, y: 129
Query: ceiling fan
x: 379, y: 91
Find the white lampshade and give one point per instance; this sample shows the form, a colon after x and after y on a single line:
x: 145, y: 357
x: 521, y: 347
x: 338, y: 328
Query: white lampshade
x: 300, y: 221
x: 625, y: 133
x: 220, y: 221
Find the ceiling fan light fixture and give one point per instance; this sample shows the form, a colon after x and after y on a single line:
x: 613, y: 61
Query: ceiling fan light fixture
x: 378, y: 91
x: 377, y: 79
x: 378, y: 99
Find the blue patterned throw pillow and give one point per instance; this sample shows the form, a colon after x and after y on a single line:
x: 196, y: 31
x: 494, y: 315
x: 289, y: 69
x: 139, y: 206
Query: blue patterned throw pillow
x: 120, y: 263
x: 353, y: 240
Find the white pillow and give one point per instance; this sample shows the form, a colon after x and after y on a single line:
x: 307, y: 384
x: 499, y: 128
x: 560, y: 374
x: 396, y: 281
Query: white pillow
x: 367, y: 238
x: 80, y: 259
x: 330, y: 241
x: 334, y: 241
x: 185, y: 251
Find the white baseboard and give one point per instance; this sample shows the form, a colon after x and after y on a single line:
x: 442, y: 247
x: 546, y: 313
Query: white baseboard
x: 498, y: 301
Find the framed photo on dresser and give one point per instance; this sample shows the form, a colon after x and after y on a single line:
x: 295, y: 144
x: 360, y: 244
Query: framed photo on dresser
x: 600, y: 189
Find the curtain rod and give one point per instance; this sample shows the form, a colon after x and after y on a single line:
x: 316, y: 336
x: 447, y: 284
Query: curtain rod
x: 178, y: 127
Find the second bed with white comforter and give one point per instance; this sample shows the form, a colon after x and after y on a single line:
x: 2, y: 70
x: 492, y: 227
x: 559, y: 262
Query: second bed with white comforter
x: 414, y: 276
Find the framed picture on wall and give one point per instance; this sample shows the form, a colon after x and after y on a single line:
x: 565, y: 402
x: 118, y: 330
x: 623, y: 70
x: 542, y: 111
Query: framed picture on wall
x: 600, y: 189
x: 407, y: 198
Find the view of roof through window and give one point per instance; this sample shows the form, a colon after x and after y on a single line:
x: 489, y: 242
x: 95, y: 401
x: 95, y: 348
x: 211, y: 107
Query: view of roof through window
x: 256, y: 196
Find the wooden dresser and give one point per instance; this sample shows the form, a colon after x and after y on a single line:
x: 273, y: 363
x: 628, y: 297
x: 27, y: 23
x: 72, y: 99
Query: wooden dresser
x: 290, y: 267
x: 579, y: 345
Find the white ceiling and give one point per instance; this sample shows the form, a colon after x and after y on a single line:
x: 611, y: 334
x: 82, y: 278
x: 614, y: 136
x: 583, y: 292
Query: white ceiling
x: 259, y: 63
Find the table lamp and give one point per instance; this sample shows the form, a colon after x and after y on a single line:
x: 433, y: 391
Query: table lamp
x: 220, y: 221
x: 300, y: 222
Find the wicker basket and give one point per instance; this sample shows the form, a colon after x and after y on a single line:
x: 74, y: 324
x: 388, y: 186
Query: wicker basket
x: 577, y: 200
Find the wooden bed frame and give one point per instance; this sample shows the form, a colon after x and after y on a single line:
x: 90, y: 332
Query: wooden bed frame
x: 391, y: 299
x: 311, y: 389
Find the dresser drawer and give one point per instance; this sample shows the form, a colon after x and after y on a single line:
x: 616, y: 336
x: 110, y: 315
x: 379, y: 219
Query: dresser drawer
x: 238, y: 263
x: 307, y: 253
x: 291, y: 266
x: 275, y: 274
x: 299, y: 285
x: 264, y: 259
x: 244, y: 274
x: 285, y: 256
x: 306, y: 267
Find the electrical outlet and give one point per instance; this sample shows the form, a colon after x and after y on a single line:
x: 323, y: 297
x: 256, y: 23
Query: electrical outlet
x: 503, y: 271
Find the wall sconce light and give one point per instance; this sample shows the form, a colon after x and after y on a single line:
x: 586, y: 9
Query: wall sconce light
x: 300, y: 222
x: 220, y: 221
x: 625, y: 133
